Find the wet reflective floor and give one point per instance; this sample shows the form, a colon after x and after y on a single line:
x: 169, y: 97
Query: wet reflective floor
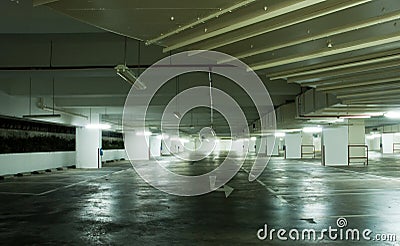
x: 114, y: 206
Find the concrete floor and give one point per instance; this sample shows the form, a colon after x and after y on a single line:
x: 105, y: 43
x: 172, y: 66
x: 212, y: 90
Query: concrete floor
x: 113, y: 206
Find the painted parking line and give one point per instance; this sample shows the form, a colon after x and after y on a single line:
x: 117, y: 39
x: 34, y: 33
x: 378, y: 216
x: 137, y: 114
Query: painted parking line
x: 280, y: 198
x: 63, y: 187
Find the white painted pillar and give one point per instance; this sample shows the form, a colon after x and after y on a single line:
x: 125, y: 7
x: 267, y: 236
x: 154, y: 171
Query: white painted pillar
x: 335, y: 144
x: 140, y: 149
x: 374, y: 143
x: 387, y: 143
x: 165, y: 146
x: 88, y: 144
x: 356, y: 137
x: 272, y: 146
x: 293, y: 145
x: 155, y: 146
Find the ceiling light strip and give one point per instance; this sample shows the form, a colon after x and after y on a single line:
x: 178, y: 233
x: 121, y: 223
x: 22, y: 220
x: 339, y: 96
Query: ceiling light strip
x: 290, y: 7
x: 347, y: 47
x: 200, y: 21
x: 354, y: 26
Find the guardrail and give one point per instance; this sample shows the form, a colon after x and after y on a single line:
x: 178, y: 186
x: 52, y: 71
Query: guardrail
x: 364, y: 158
x: 396, y: 147
x: 305, y: 153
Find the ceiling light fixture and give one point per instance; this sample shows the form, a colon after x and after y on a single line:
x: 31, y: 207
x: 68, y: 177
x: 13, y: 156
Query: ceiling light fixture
x: 356, y: 117
x: 125, y: 73
x: 98, y: 126
x: 312, y: 129
x: 177, y: 115
x: 393, y: 115
x: 145, y: 133
x: 280, y: 134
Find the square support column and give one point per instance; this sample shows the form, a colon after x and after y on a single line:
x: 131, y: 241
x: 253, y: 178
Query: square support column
x: 88, y: 145
x: 387, y: 143
x: 155, y: 146
x: 335, y: 142
x: 293, y: 145
x: 272, y: 146
x: 141, y: 149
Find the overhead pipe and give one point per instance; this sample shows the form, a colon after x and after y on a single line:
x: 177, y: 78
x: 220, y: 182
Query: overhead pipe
x: 41, y: 104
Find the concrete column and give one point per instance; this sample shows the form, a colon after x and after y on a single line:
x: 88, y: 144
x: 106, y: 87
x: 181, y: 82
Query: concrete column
x: 357, y: 136
x: 88, y: 143
x: 387, y: 143
x: 155, y: 146
x: 293, y: 145
x: 165, y: 146
x: 272, y: 146
x: 374, y: 143
x: 335, y: 142
x: 141, y: 149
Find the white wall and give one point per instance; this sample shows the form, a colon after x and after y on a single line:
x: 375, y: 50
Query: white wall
x: 115, y: 154
x: 293, y: 146
x: 336, y: 144
x: 28, y: 162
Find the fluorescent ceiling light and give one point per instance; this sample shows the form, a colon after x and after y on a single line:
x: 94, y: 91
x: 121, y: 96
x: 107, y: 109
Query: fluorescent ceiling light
x: 125, y: 73
x: 393, y: 115
x: 98, y: 126
x: 184, y: 140
x: 253, y: 138
x: 373, y: 136
x: 312, y: 129
x: 356, y: 117
x: 145, y: 133
x: 280, y: 134
x: 177, y: 115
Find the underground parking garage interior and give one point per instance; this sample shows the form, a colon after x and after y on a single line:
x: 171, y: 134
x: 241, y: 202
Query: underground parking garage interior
x: 223, y: 122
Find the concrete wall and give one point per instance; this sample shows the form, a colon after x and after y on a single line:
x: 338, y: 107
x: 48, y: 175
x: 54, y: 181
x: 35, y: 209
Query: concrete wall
x: 28, y: 162
x: 117, y: 154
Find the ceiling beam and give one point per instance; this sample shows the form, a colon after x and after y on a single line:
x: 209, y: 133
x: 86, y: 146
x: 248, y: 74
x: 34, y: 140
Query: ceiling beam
x: 201, y: 21
x: 310, y: 79
x: 345, y: 85
x: 368, y: 94
x: 298, y: 71
x: 349, y: 65
x: 272, y: 13
x: 343, y: 29
x: 339, y: 49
